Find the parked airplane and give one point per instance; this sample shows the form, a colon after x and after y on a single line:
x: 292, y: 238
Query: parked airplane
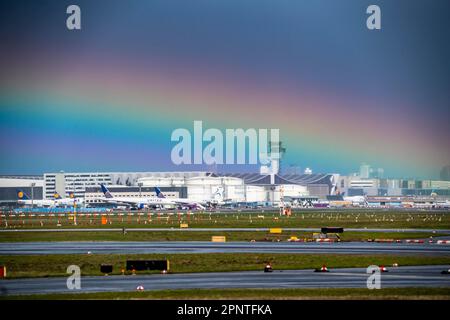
x: 353, y: 200
x: 341, y: 201
x: 159, y: 201
x: 68, y: 202
x: 357, y: 200
x: 23, y: 199
x: 217, y: 199
x: 188, y: 203
x: 138, y: 203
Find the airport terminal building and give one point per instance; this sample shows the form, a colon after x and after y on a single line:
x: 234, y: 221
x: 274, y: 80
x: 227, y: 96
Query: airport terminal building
x: 32, y: 186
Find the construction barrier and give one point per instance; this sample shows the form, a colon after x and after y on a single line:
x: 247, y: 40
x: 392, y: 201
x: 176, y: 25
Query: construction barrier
x: 295, y: 239
x: 385, y: 240
x: 276, y: 230
x: 2, y: 272
x: 414, y: 241
x: 218, y: 239
x: 140, y: 265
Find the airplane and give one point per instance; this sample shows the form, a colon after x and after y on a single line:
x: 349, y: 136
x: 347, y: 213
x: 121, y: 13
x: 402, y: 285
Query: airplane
x: 23, y: 199
x: 138, y: 203
x: 159, y: 201
x: 356, y: 200
x: 217, y: 199
x: 188, y: 203
x: 67, y: 202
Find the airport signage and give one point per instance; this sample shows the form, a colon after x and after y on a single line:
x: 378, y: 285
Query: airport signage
x: 326, y: 230
x: 276, y: 230
x: 218, y: 239
x: 142, y: 265
x: 106, y: 268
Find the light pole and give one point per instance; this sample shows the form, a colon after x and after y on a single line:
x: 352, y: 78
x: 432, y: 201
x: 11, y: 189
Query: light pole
x: 140, y: 184
x: 33, y: 184
x: 74, y: 211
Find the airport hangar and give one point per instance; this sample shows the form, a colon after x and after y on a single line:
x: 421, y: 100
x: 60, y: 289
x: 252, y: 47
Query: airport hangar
x: 267, y: 189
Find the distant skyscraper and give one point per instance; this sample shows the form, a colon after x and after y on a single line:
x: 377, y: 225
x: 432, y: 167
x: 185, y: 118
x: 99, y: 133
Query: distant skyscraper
x: 380, y: 173
x: 364, y: 171
x: 276, y: 152
x: 445, y: 173
x: 377, y: 173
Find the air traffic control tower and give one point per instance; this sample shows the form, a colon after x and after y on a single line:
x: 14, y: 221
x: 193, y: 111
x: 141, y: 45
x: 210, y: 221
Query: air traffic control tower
x: 276, y: 152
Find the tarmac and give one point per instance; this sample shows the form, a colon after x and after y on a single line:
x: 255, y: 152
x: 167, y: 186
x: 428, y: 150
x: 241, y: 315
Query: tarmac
x: 398, y: 277
x: 141, y: 247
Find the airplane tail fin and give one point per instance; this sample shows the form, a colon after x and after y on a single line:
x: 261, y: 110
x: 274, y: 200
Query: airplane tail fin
x: 22, y: 195
x: 106, y: 191
x: 334, y: 190
x: 159, y: 194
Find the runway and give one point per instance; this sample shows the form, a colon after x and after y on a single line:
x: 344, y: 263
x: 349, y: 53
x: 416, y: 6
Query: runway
x: 383, y: 230
x: 418, y: 276
x: 136, y: 247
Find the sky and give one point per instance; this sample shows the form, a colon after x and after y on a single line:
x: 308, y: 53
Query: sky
x: 107, y: 97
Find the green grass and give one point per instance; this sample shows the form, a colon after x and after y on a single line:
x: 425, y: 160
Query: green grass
x: 192, y: 236
x: 363, y: 236
x: 210, y: 294
x: 56, y: 265
x: 300, y: 218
